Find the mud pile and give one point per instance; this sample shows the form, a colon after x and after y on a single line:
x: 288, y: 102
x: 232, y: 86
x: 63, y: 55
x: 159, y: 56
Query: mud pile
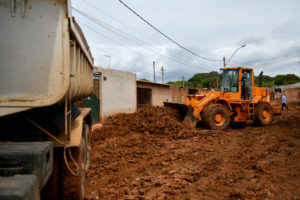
x: 137, y: 156
x: 148, y: 120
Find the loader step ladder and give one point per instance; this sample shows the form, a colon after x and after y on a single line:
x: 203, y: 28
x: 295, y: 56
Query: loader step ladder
x: 250, y: 111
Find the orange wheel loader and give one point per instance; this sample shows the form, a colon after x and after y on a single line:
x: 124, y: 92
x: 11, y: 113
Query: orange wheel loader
x: 237, y: 101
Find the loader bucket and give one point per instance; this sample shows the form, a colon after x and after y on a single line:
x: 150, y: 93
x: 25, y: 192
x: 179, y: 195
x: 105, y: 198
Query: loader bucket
x: 186, y: 113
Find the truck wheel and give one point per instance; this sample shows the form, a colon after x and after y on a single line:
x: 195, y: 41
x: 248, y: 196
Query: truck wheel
x: 216, y: 116
x: 263, y: 114
x: 73, y: 187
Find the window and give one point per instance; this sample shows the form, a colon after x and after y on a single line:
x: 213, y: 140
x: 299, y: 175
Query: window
x: 230, y: 80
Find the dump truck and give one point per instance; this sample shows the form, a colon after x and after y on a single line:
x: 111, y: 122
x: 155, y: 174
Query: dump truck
x: 238, y: 100
x: 45, y: 67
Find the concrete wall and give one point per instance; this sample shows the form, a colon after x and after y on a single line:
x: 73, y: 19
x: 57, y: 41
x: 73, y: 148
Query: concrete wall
x: 117, y: 92
x: 159, y: 94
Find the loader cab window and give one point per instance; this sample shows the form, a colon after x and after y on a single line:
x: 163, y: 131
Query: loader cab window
x: 246, y: 85
x: 230, y: 80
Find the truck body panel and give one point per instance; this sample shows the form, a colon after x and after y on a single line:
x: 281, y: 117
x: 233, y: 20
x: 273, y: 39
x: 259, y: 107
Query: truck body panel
x: 43, y: 55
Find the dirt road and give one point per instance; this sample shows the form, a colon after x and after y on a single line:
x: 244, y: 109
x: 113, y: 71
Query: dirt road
x: 150, y: 155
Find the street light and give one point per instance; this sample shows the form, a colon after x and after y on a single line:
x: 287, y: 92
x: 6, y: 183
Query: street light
x: 108, y: 60
x: 232, y: 55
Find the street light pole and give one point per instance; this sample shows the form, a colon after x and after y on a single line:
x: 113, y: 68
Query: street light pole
x: 224, y: 62
x: 108, y: 60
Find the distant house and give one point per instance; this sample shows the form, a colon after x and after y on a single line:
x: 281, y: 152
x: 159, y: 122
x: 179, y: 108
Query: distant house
x: 154, y: 94
x: 292, y: 92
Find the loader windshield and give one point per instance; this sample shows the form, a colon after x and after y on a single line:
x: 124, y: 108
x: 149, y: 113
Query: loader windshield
x: 230, y: 80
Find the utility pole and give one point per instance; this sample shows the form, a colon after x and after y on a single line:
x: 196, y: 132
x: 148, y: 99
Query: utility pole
x: 108, y: 60
x: 154, y: 77
x: 182, y: 81
x: 162, y: 74
x: 224, y: 63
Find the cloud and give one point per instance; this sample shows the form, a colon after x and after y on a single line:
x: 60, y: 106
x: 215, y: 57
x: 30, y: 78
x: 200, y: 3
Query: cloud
x: 269, y: 29
x: 252, y: 39
x: 287, y: 31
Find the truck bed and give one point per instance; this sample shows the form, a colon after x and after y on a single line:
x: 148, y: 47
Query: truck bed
x: 40, y: 63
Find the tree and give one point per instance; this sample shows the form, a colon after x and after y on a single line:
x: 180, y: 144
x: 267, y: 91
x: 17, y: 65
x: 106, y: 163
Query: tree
x: 267, y: 81
x: 209, y: 80
x: 143, y: 79
x: 286, y: 79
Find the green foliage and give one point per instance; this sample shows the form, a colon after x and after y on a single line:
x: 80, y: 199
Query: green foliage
x: 200, y: 80
x: 267, y: 81
x: 176, y: 83
x: 209, y: 80
x: 203, y: 80
x: 143, y: 79
x: 286, y: 79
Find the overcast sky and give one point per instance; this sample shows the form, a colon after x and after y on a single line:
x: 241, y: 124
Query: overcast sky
x: 210, y: 28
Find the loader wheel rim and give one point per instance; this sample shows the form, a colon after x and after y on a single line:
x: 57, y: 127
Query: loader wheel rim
x: 266, y: 114
x: 220, y: 118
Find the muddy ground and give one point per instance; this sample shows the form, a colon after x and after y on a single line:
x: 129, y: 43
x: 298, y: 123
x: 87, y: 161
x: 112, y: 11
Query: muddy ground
x: 150, y: 155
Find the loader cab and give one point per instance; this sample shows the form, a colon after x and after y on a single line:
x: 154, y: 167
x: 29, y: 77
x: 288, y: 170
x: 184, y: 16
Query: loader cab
x: 237, y: 83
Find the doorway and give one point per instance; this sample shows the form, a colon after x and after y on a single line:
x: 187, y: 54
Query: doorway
x: 143, y: 97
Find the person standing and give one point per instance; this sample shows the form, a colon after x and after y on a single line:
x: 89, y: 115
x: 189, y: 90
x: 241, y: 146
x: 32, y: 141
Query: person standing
x: 283, y: 102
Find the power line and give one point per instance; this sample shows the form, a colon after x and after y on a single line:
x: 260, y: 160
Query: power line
x: 162, y: 70
x: 111, y: 39
x: 270, y: 61
x: 114, y: 55
x: 195, y: 54
x: 106, y: 26
x: 120, y: 32
x: 119, y: 21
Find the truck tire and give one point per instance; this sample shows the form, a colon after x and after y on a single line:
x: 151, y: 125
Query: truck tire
x: 73, y: 187
x: 216, y: 116
x: 263, y: 114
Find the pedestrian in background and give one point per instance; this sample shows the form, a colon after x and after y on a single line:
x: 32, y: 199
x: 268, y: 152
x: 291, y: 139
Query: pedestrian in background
x: 283, y: 102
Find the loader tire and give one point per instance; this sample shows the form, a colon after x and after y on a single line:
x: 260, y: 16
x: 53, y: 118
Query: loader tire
x: 73, y: 187
x: 216, y: 116
x: 263, y: 114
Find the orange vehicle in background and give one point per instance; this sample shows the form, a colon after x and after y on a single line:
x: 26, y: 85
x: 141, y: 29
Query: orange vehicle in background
x: 237, y: 101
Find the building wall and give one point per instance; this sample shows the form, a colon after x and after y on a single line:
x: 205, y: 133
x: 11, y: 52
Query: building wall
x: 117, y: 92
x: 159, y: 92
x: 178, y: 94
x: 292, y: 95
